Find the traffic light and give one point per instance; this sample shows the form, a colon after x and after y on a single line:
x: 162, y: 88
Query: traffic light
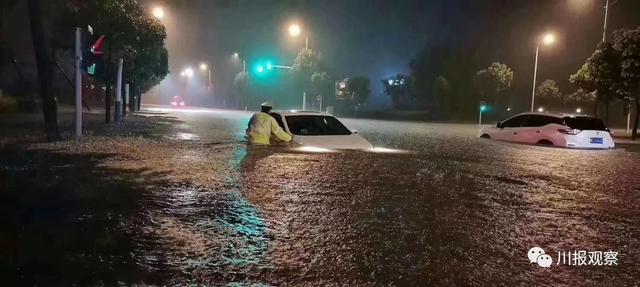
x: 263, y: 66
x: 92, y: 52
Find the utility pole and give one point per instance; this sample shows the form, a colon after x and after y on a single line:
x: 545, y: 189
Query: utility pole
x: 535, y: 74
x: 304, y: 101
x: 78, y: 98
x: 606, y: 16
x: 126, y: 99
x: 118, y: 109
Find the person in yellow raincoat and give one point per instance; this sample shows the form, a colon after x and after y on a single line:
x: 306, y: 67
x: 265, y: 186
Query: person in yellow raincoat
x: 262, y: 126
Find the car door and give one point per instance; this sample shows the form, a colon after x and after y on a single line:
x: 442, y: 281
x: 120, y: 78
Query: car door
x: 510, y: 129
x: 535, y: 128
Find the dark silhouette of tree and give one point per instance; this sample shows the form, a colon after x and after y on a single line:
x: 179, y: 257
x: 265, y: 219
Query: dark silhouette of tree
x: 627, y: 41
x: 492, y: 82
x: 600, y: 74
x: 45, y: 68
x: 549, y: 94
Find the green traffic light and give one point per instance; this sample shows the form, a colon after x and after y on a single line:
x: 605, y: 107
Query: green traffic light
x: 260, y: 69
x: 91, y: 70
x: 483, y: 108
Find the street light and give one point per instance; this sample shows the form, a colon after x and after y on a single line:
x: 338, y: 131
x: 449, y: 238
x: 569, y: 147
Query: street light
x: 188, y: 72
x: 158, y: 12
x: 295, y: 31
x: 547, y: 39
x: 578, y: 111
x: 483, y: 107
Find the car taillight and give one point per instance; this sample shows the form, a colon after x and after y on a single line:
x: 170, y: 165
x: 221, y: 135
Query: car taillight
x: 569, y: 131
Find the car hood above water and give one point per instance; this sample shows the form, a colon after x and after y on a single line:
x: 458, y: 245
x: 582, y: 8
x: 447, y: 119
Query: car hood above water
x: 352, y: 141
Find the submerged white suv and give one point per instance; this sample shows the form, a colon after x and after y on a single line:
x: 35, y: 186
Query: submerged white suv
x: 570, y: 131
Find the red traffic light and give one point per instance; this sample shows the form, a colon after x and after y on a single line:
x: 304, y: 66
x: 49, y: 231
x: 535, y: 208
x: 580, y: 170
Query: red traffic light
x: 96, y: 48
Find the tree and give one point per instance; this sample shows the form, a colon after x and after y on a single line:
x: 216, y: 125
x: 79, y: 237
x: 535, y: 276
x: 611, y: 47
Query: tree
x: 600, y: 74
x: 549, y: 94
x: 398, y: 88
x: 241, y: 86
x: 443, y: 94
x: 133, y: 35
x: 360, y: 88
x: 322, y: 87
x: 579, y: 98
x: 458, y: 67
x: 493, y: 81
x: 627, y: 41
x: 305, y: 65
x: 45, y: 69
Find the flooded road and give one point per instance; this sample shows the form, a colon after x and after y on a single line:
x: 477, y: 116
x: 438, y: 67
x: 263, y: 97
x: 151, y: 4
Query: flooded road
x: 454, y: 211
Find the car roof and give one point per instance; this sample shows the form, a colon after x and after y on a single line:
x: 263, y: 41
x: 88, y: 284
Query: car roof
x: 301, y: 113
x: 555, y: 115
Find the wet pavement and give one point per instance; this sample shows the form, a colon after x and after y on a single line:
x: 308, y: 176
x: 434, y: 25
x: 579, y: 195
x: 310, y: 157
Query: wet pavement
x: 436, y: 206
x: 454, y: 210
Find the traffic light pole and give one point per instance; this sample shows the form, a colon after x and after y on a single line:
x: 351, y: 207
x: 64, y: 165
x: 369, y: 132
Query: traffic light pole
x: 118, y: 108
x: 78, y: 98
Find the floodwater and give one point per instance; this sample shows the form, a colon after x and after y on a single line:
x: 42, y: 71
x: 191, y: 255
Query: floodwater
x: 453, y: 211
x: 436, y: 206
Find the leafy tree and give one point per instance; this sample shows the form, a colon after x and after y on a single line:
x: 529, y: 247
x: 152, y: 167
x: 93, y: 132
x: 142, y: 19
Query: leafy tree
x: 579, y: 98
x: 492, y: 81
x: 627, y: 41
x: 548, y: 92
x: 353, y: 91
x: 305, y: 65
x: 133, y: 35
x: 600, y: 74
x: 360, y: 88
x: 443, y: 94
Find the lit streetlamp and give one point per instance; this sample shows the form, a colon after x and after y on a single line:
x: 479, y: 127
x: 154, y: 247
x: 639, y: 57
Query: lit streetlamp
x: 547, y: 40
x: 236, y: 56
x: 295, y: 30
x: 483, y: 108
x: 158, y: 12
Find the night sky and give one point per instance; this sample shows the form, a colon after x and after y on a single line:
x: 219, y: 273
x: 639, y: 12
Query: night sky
x: 378, y: 38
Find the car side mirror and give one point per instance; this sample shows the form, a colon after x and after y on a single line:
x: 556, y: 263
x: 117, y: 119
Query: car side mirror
x: 354, y: 131
x: 499, y: 125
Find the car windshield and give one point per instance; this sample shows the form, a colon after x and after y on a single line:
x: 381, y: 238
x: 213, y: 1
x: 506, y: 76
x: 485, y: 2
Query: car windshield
x: 311, y: 125
x: 585, y: 123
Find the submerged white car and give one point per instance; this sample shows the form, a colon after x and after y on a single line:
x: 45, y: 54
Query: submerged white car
x: 320, y: 130
x: 570, y: 131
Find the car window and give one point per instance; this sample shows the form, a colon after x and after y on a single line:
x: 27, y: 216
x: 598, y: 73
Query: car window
x: 585, y: 123
x: 515, y: 122
x: 311, y: 125
x: 541, y: 120
x: 278, y: 119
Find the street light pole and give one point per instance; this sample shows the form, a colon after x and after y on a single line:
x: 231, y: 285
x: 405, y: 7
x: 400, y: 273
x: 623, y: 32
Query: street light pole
x: 606, y: 16
x: 535, y: 74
